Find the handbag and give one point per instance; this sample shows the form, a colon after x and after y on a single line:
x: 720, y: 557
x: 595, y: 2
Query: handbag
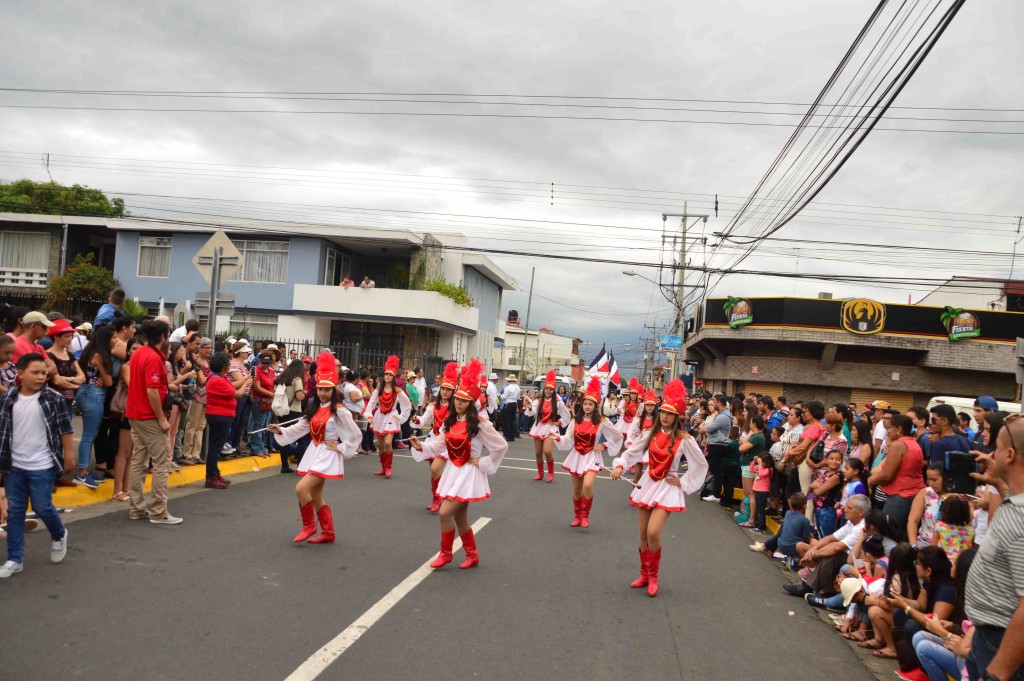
x: 119, y: 402
x: 817, y: 454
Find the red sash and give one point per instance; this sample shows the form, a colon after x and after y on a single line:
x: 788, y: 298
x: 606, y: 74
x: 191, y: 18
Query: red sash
x: 318, y: 424
x: 659, y: 456
x: 630, y: 411
x: 648, y: 422
x: 585, y: 436
x: 386, y: 401
x: 460, y: 446
x: 545, y: 411
x: 440, y: 414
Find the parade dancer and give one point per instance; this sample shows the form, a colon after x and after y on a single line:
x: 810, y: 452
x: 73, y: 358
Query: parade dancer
x: 334, y: 436
x: 584, y: 460
x: 434, y: 416
x: 628, y: 407
x: 661, y: 488
x: 386, y: 419
x: 460, y: 443
x: 547, y: 411
x: 640, y: 424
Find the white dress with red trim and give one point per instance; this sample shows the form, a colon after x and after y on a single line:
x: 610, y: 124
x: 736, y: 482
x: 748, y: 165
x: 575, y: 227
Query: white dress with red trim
x: 640, y: 424
x: 654, y: 491
x: 460, y: 480
x: 320, y: 460
x: 548, y: 422
x: 628, y: 412
x: 433, y: 418
x: 581, y: 438
x: 390, y: 410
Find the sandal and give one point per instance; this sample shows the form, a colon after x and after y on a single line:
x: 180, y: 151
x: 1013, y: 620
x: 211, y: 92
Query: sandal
x: 853, y: 636
x: 884, y: 655
x: 871, y: 645
x: 747, y: 524
x: 121, y: 496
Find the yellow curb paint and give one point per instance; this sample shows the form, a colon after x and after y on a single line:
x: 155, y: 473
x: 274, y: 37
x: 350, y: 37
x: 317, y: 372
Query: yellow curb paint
x: 80, y: 495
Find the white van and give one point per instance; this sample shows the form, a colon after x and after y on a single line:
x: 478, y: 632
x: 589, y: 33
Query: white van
x: 966, y: 404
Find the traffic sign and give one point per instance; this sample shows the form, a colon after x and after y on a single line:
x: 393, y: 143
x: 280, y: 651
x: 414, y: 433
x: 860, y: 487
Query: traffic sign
x: 203, y: 260
x: 670, y: 342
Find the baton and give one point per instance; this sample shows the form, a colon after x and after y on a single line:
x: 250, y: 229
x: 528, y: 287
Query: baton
x: 626, y: 479
x: 286, y: 423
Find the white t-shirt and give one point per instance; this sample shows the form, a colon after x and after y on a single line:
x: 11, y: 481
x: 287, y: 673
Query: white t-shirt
x: 879, y: 431
x: 421, y: 387
x: 29, y: 449
x: 849, y: 534
x: 78, y: 344
x: 349, y: 404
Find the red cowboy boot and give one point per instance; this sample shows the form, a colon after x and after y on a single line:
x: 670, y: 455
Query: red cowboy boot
x: 389, y: 458
x: 326, y: 518
x: 472, y: 557
x: 445, y: 557
x: 652, y: 574
x: 383, y: 467
x: 641, y: 581
x: 551, y: 470
x: 435, y: 503
x: 585, y: 505
x: 308, y: 522
x: 540, y: 470
x: 576, y: 504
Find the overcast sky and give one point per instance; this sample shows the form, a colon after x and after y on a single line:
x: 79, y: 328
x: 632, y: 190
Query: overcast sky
x: 750, y: 51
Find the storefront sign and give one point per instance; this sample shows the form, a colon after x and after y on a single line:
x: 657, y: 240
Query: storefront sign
x: 960, y: 324
x: 862, y: 316
x: 738, y: 311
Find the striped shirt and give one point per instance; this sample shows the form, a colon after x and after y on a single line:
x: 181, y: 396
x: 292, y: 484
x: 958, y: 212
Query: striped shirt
x: 995, y: 584
x: 718, y: 428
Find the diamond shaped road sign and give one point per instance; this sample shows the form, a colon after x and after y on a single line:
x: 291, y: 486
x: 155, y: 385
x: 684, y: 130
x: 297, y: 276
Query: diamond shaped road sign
x: 203, y: 260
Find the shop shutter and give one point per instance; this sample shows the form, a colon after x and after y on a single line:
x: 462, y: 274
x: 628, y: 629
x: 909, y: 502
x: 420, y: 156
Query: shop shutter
x: 899, y: 400
x: 773, y: 390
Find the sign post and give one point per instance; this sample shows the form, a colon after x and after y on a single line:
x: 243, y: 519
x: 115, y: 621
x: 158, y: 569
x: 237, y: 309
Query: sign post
x: 217, y: 261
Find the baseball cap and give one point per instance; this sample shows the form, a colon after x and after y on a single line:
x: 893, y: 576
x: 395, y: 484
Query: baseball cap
x: 84, y: 326
x: 987, y: 402
x: 410, y: 374
x: 881, y: 404
x: 307, y: 358
x: 36, y: 317
x: 60, y: 326
x: 849, y: 587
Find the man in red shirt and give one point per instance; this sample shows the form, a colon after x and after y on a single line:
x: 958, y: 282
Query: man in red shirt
x: 150, y: 428
x: 34, y: 326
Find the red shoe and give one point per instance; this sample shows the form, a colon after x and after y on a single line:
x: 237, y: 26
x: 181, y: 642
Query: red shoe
x: 326, y: 518
x: 389, y: 458
x: 652, y: 573
x: 435, y: 502
x: 308, y: 522
x: 576, y: 503
x: 383, y: 468
x: 216, y: 483
x: 551, y: 471
x: 224, y: 480
x: 641, y: 581
x: 472, y: 557
x: 445, y: 556
x: 540, y: 471
x: 585, y: 505
x: 913, y: 675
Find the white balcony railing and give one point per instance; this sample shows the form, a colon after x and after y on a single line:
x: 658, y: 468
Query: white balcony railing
x: 418, y: 307
x: 29, y: 278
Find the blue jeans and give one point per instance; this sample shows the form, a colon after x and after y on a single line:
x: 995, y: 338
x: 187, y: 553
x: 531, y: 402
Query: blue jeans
x: 258, y: 443
x: 935, y: 659
x: 984, y: 646
x: 825, y: 519
x: 21, y: 486
x: 240, y: 422
x: 90, y: 401
x: 220, y: 428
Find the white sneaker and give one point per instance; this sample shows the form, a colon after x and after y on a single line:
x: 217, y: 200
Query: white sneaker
x: 227, y: 449
x: 710, y: 497
x: 756, y: 546
x: 10, y: 568
x: 174, y: 467
x: 166, y: 520
x: 59, y: 548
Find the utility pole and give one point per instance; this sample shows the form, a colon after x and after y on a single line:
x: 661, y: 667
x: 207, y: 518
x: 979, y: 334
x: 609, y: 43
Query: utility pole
x: 680, y: 298
x: 529, y: 304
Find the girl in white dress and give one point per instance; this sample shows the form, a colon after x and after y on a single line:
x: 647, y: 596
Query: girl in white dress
x: 629, y: 405
x: 642, y: 422
x: 546, y: 410
x: 661, y: 488
x: 334, y: 436
x: 433, y: 417
x: 390, y: 408
x: 584, y: 459
x: 460, y: 444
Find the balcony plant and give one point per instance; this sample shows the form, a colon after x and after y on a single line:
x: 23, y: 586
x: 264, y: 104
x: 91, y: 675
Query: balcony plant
x: 456, y: 292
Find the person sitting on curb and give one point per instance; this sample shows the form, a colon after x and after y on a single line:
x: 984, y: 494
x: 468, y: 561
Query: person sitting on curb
x: 830, y: 553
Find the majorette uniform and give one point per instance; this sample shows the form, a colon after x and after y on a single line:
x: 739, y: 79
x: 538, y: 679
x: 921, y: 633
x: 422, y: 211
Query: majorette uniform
x: 548, y: 422
x: 462, y: 481
x: 642, y: 421
x: 653, y: 491
x: 390, y: 409
x: 434, y: 417
x: 322, y: 460
x: 628, y: 408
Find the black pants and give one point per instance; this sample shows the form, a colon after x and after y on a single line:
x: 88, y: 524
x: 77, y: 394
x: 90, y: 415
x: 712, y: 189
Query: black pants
x: 823, y: 579
x: 509, y: 427
x: 715, y: 455
x: 220, y: 430
x: 731, y: 479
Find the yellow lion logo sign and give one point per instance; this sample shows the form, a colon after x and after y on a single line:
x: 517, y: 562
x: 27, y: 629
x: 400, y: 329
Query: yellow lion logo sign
x: 863, y: 316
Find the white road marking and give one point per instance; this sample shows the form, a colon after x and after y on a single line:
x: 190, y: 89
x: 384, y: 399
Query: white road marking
x: 322, y: 659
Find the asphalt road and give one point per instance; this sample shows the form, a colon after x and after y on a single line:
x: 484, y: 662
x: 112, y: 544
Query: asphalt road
x: 227, y: 595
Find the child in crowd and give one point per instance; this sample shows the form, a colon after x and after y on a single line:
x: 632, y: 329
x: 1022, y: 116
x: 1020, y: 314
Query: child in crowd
x: 778, y: 487
x: 953, y: 532
x: 731, y: 470
x: 826, y: 492
x: 35, y: 448
x: 854, y: 482
x: 8, y: 372
x: 795, y: 528
x: 762, y: 467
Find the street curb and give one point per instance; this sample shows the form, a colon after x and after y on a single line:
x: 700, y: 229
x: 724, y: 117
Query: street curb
x: 80, y: 495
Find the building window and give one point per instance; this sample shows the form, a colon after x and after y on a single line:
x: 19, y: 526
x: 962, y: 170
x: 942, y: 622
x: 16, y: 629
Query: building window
x: 264, y: 262
x: 154, y: 256
x: 337, y: 266
x: 24, y: 258
x: 258, y: 326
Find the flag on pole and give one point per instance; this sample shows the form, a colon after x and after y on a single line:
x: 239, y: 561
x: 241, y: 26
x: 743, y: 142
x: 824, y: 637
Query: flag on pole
x: 600, y: 363
x: 613, y: 371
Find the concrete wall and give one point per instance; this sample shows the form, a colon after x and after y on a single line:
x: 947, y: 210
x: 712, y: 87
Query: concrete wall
x: 978, y: 299
x: 486, y: 297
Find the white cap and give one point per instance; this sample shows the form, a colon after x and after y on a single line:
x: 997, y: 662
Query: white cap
x: 849, y: 587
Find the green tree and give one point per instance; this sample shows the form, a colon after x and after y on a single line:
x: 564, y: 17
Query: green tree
x: 26, y: 196
x: 83, y: 280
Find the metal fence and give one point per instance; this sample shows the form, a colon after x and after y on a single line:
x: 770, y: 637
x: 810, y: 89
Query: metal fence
x: 357, y: 356
x: 81, y: 308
